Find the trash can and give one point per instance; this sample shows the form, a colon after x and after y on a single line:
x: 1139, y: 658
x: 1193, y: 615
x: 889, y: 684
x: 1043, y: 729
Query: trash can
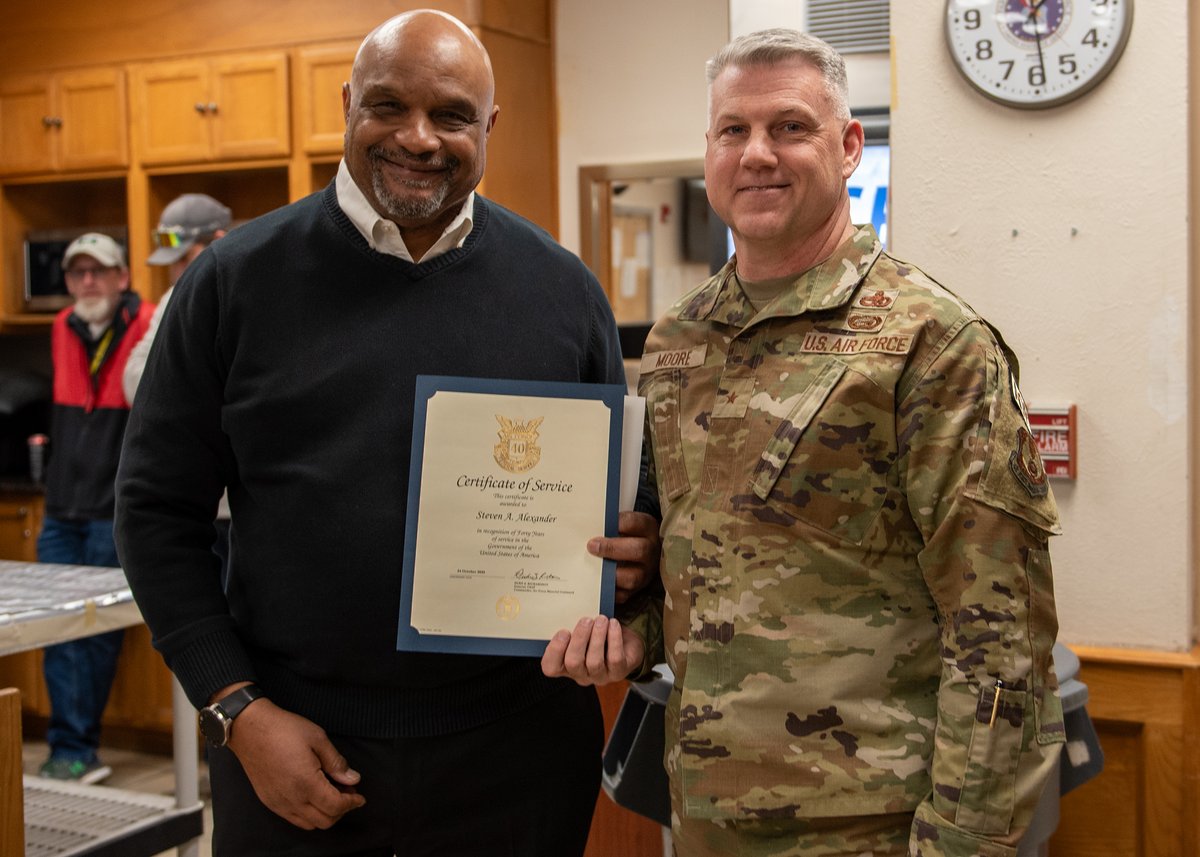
x: 633, y: 774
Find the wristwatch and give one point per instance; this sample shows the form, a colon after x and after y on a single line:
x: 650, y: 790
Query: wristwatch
x: 216, y: 720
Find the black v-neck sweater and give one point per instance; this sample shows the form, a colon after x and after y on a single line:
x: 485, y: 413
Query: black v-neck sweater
x: 285, y: 369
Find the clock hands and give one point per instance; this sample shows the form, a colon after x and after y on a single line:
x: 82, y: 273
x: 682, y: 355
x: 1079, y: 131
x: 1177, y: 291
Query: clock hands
x: 1035, y: 53
x: 1034, y: 8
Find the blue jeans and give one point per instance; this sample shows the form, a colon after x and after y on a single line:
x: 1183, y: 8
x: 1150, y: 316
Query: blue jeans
x: 79, y: 674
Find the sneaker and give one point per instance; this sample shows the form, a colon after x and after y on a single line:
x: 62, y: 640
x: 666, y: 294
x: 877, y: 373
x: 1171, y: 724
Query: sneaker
x: 75, y: 771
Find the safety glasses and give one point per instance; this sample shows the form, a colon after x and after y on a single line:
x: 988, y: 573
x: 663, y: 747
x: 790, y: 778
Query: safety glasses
x: 168, y: 237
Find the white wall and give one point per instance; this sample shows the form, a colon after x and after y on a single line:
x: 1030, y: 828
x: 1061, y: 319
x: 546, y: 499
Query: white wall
x: 1098, y: 315
x: 868, y: 73
x: 630, y: 80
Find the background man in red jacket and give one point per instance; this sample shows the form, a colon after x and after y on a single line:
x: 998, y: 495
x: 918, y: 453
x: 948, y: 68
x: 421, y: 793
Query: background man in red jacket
x: 90, y: 343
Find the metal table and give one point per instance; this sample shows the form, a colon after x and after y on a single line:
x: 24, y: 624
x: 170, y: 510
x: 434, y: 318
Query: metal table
x: 42, y: 604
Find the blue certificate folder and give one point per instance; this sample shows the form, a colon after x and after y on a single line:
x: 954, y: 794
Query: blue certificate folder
x: 612, y: 396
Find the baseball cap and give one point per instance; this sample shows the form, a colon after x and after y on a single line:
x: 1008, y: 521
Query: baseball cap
x: 100, y: 247
x: 184, y: 221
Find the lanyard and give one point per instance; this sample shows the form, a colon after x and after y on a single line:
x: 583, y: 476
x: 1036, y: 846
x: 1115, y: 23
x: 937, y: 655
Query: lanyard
x: 101, y: 350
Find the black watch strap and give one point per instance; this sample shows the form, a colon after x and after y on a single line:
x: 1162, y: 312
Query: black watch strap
x: 233, y: 704
x: 216, y: 720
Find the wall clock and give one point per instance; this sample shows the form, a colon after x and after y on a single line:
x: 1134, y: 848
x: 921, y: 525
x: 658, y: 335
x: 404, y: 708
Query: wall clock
x: 1036, y: 53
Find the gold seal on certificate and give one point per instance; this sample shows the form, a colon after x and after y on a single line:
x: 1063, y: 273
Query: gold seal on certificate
x: 508, y: 607
x: 517, y: 450
x: 509, y: 481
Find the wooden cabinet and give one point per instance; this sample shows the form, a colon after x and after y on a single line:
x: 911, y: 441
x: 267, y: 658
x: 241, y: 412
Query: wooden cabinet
x: 213, y: 109
x: 317, y: 96
x: 67, y: 121
x: 20, y: 523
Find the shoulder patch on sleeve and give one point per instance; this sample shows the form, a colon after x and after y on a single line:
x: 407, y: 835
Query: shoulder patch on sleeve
x: 1013, y: 478
x: 1026, y: 465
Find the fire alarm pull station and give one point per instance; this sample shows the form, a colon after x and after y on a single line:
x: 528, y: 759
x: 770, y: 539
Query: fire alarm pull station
x: 1054, y: 431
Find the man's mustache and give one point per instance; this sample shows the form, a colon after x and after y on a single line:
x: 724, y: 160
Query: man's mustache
x: 378, y: 153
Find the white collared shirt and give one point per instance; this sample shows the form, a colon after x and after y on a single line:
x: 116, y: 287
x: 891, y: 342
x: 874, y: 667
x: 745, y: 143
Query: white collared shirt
x: 383, y: 235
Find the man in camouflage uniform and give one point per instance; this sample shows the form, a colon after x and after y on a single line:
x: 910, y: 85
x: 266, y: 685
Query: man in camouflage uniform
x: 858, y: 602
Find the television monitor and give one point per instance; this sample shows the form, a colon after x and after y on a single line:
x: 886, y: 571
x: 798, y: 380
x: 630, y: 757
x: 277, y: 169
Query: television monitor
x: 45, y: 282
x: 869, y: 189
x: 697, y: 221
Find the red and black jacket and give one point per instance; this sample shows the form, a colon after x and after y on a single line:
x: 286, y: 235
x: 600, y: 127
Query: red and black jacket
x: 89, y: 413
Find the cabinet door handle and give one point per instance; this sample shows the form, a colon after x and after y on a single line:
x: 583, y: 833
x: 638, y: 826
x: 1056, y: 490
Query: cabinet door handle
x: 51, y: 121
x: 201, y: 108
x: 212, y: 107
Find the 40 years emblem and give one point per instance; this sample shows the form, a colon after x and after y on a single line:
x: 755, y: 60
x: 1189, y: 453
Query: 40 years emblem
x: 517, y: 450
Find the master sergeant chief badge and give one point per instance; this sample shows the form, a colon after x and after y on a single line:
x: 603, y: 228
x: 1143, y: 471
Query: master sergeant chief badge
x: 517, y: 450
x: 877, y: 299
x: 1026, y: 465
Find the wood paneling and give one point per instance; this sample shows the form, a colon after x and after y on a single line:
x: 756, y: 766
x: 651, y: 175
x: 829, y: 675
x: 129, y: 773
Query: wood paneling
x: 521, y: 151
x: 12, y: 795
x: 74, y: 33
x: 521, y: 18
x: 1145, y: 707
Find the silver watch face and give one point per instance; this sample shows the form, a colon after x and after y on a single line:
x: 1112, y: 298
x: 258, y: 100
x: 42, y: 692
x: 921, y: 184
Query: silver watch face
x: 214, y: 725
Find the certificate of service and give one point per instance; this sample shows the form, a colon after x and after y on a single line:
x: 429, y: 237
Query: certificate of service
x: 508, y: 482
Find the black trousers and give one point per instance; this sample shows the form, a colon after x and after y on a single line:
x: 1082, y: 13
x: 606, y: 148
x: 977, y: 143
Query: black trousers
x: 523, y: 786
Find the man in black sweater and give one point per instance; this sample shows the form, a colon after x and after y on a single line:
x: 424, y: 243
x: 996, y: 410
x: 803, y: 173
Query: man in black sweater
x: 285, y: 372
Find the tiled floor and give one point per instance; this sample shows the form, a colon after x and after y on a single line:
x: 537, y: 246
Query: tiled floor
x: 140, y: 772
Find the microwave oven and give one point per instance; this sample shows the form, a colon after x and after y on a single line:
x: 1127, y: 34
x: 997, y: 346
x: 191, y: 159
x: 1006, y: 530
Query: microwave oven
x: 45, y: 285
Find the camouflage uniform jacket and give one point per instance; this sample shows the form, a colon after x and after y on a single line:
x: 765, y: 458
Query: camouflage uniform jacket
x: 855, y: 524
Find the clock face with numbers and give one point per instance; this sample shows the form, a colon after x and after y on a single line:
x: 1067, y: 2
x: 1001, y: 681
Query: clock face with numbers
x: 1036, y: 53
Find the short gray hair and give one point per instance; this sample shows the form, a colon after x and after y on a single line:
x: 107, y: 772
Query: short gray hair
x: 778, y: 45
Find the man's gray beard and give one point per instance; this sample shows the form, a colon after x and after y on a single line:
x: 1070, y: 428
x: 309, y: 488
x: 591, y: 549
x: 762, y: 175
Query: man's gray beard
x: 96, y: 310
x: 408, y: 208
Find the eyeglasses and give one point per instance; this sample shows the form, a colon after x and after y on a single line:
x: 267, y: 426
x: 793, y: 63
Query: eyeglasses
x: 78, y: 275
